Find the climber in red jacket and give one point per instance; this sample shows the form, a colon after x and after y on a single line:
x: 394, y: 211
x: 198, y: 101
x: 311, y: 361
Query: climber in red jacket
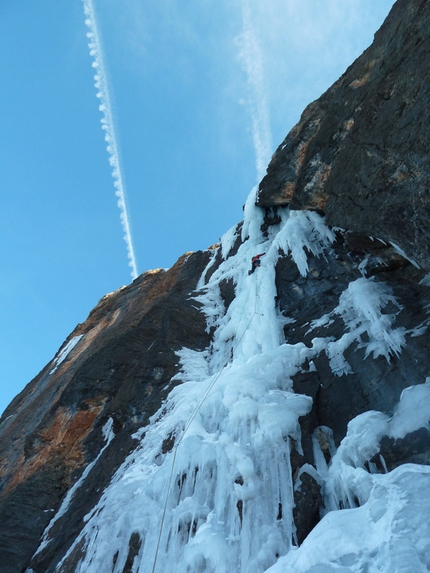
x: 255, y: 262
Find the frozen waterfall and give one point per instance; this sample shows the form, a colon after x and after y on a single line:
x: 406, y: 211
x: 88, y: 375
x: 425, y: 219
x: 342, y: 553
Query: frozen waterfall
x: 209, y: 487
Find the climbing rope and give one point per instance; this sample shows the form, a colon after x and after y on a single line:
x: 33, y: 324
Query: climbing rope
x: 191, y: 419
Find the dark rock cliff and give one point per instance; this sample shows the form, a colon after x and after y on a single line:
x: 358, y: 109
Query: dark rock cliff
x: 360, y: 152
x: 121, y: 368
x: 359, y: 155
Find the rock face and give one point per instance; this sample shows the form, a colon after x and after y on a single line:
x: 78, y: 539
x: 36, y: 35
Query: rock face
x: 360, y: 152
x: 121, y: 368
x: 359, y: 156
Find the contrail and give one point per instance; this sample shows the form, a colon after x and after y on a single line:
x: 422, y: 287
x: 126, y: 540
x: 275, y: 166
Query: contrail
x: 251, y: 56
x: 102, y: 86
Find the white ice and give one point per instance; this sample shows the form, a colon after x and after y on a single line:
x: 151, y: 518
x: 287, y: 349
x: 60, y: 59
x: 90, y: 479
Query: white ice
x: 108, y: 435
x: 361, y: 308
x: 221, y: 501
x: 63, y: 354
x: 390, y: 533
x: 377, y: 523
x: 404, y: 255
x: 413, y: 411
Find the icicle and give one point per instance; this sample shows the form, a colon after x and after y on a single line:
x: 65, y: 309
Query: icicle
x: 229, y: 506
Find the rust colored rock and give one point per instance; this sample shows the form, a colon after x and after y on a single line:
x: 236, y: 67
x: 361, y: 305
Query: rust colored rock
x: 120, y: 368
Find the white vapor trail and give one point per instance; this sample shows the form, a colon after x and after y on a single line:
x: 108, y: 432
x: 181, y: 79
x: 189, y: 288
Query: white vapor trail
x: 102, y: 86
x: 251, y: 55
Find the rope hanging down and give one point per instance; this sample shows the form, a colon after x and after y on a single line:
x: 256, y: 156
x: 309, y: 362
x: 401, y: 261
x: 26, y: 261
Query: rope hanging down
x: 191, y: 419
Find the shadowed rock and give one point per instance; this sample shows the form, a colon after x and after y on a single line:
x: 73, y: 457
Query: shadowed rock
x: 360, y: 152
x: 120, y: 369
x: 360, y: 155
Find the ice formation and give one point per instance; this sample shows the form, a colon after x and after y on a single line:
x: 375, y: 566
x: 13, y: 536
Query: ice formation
x: 383, y: 525
x: 360, y: 307
x: 63, y: 354
x: 221, y: 500
x: 108, y: 435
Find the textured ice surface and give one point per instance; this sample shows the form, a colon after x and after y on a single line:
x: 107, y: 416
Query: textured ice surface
x: 221, y: 501
x: 361, y: 308
x: 384, y: 525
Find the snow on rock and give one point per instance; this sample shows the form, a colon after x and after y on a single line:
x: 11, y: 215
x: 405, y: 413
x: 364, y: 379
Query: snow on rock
x: 225, y: 488
x: 62, y: 355
x: 108, y: 435
x: 412, y: 412
x: 304, y: 230
x: 390, y: 533
x: 374, y: 522
x: 360, y: 307
x: 404, y: 255
x: 209, y: 487
x: 426, y: 280
x: 228, y: 240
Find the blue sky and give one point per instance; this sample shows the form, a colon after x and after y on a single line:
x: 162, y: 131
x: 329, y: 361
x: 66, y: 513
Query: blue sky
x: 192, y: 82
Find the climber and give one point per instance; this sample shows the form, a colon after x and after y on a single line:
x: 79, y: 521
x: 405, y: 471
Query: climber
x: 255, y: 262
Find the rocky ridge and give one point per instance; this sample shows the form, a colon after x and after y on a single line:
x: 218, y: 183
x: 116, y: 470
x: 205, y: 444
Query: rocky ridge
x: 359, y: 153
x: 120, y: 368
